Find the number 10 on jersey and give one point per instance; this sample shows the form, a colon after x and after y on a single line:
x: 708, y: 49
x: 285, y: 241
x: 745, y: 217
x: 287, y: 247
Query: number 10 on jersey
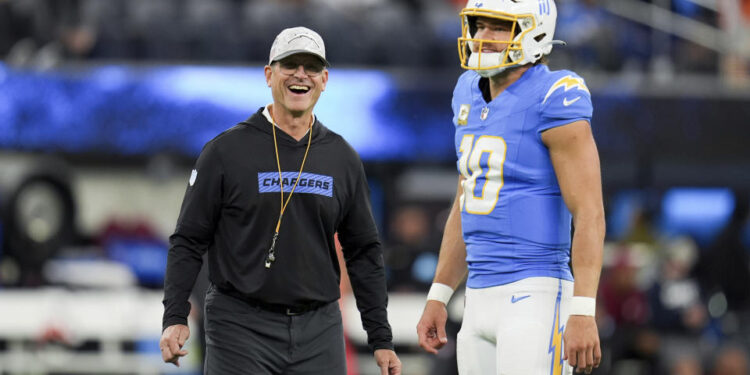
x: 490, y: 172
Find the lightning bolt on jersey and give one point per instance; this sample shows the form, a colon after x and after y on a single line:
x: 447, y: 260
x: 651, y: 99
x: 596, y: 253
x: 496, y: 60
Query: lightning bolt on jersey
x: 515, y: 222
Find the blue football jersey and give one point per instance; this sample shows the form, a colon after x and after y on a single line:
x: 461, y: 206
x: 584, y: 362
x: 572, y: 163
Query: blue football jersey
x: 515, y: 222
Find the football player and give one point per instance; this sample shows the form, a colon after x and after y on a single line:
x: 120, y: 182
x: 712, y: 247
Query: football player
x: 528, y: 168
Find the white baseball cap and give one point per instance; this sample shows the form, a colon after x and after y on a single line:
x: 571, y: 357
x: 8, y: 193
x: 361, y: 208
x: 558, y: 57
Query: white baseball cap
x: 297, y: 40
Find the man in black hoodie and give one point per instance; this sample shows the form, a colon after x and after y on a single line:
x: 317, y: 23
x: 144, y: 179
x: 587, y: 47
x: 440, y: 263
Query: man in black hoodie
x: 265, y: 199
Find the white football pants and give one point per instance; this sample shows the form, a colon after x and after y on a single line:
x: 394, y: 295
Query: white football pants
x: 515, y: 329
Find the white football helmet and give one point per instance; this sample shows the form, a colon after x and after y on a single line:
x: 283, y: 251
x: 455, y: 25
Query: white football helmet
x: 533, y: 27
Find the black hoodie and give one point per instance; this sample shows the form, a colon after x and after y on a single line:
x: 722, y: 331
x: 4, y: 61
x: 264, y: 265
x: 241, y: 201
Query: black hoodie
x: 231, y: 207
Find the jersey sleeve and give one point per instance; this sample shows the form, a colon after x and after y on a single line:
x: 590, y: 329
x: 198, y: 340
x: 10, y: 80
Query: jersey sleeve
x: 566, y: 100
x: 363, y: 254
x: 202, y: 201
x: 193, y: 235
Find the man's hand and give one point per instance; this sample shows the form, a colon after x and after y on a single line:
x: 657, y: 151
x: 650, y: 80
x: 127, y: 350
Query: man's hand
x: 172, y: 340
x: 582, y: 349
x: 431, y: 328
x: 388, y: 362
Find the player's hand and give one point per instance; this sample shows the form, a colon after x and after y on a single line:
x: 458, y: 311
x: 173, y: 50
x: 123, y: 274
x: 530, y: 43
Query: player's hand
x: 431, y: 327
x: 388, y: 362
x: 172, y: 340
x: 582, y: 350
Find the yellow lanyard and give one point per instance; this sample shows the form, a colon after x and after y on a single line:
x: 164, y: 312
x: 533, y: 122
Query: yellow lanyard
x: 271, y: 257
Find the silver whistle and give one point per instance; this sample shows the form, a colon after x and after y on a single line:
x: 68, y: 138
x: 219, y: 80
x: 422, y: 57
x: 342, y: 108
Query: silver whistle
x: 271, y: 257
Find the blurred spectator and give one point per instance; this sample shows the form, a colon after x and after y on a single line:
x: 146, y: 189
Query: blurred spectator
x: 624, y: 313
x: 677, y: 313
x: 731, y: 360
x: 212, y: 29
x: 621, y: 296
x: 686, y: 365
x: 642, y: 228
x: 735, y: 20
x: 42, y: 33
x: 411, y: 253
x: 589, y: 33
x: 724, y: 266
x: 688, y: 56
x: 675, y: 299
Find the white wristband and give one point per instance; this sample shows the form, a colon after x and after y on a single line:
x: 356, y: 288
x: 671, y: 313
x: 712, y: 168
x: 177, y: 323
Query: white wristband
x: 440, y: 292
x: 583, y: 306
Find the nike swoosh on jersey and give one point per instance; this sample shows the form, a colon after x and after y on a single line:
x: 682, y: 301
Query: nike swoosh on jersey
x: 514, y: 299
x: 567, y: 102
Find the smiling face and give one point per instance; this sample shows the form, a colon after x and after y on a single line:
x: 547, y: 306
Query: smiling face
x: 296, y: 82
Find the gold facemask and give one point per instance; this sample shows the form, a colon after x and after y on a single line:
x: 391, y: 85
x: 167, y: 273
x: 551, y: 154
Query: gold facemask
x: 511, y: 55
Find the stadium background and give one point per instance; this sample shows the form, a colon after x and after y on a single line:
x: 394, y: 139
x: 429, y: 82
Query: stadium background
x: 104, y: 105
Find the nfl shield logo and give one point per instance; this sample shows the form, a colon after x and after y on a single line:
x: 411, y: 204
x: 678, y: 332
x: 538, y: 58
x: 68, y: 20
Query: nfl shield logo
x: 485, y: 111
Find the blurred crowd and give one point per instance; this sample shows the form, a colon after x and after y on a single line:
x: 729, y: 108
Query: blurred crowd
x: 676, y: 304
x: 414, y: 33
x: 668, y: 303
